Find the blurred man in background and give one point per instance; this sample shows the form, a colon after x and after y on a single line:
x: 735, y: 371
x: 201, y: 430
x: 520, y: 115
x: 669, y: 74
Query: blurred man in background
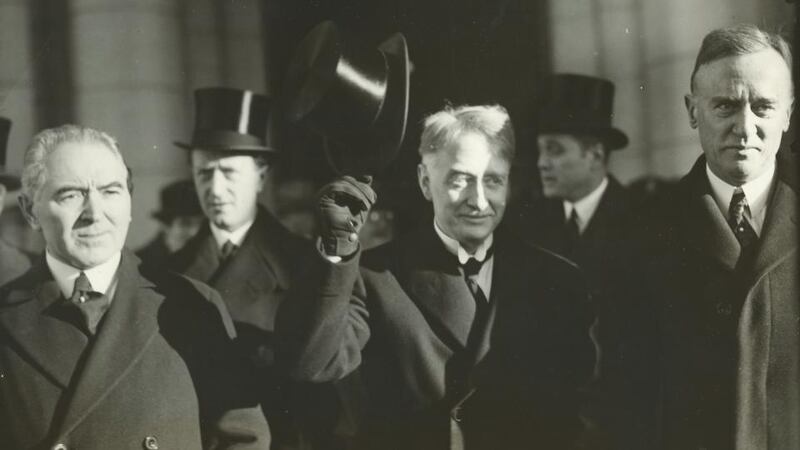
x: 248, y: 256
x: 179, y: 219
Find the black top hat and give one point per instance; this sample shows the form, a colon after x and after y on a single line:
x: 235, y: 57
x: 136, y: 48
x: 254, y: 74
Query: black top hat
x: 355, y: 96
x: 580, y: 104
x: 178, y: 199
x: 230, y: 120
x: 10, y: 181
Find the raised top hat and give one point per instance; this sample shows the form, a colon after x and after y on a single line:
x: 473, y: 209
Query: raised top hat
x: 580, y: 104
x: 229, y: 119
x: 178, y: 199
x: 9, y: 180
x: 355, y: 96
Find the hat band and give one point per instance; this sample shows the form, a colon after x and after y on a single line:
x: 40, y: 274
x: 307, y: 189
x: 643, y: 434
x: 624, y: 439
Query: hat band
x: 225, y: 138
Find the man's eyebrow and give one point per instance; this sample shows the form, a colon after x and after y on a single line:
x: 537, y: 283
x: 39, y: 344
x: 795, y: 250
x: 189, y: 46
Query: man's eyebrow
x: 113, y: 184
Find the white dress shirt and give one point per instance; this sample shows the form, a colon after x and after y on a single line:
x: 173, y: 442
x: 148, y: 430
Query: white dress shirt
x: 586, y: 207
x: 103, y: 278
x: 485, y: 274
x: 236, y: 236
x: 755, y: 191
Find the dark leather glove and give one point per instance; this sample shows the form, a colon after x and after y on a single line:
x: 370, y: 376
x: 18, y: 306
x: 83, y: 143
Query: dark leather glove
x: 342, y: 209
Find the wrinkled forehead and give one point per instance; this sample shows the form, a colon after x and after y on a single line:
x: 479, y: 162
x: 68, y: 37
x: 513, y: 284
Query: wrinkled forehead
x: 470, y: 153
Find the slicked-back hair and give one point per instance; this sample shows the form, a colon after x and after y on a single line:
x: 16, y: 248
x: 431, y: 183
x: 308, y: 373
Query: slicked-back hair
x: 736, y: 40
x: 492, y: 121
x: 44, y: 143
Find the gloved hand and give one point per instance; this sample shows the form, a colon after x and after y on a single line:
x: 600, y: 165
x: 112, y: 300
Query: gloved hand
x: 342, y: 209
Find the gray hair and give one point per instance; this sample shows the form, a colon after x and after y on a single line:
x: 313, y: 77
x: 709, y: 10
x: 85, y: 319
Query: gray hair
x: 47, y: 141
x: 739, y: 40
x: 447, y: 125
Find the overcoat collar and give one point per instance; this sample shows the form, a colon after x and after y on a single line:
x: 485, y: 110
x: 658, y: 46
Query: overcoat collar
x: 261, y: 244
x: 705, y: 227
x: 55, y: 346
x: 431, y: 277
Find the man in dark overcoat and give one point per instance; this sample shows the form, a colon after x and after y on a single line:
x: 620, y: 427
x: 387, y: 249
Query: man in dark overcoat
x: 462, y: 336
x: 586, y: 215
x: 93, y: 354
x: 724, y: 268
x: 243, y: 252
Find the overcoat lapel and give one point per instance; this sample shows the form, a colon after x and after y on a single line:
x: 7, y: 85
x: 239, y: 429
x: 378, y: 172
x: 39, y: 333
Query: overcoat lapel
x: 703, y: 224
x: 28, y: 317
x: 257, y: 255
x: 609, y: 210
x: 779, y: 235
x: 430, y: 276
x: 127, y: 329
x: 205, y: 256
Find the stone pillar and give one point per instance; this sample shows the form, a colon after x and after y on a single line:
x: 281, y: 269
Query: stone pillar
x: 130, y: 82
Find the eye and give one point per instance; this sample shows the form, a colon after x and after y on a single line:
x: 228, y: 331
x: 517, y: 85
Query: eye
x: 116, y: 190
x: 459, y: 181
x: 726, y: 107
x: 70, y: 197
x: 763, y: 109
x: 493, y: 181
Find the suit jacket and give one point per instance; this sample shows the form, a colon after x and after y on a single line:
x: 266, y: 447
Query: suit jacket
x: 253, y: 283
x: 608, y: 252
x: 159, y: 369
x: 720, y: 319
x: 13, y: 262
x: 401, y: 323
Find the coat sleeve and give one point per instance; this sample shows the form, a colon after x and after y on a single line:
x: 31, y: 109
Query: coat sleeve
x: 322, y: 327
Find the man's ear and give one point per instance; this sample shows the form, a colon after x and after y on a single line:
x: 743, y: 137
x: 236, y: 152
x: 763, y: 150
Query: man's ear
x: 26, y: 206
x: 691, y: 109
x: 424, y: 180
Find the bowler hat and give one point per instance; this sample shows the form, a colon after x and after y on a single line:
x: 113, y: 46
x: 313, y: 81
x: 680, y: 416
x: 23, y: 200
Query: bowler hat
x: 10, y: 181
x: 354, y: 95
x: 229, y: 119
x: 178, y: 199
x: 580, y: 104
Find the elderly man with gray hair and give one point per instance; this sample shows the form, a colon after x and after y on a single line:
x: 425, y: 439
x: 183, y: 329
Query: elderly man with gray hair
x: 725, y: 266
x: 462, y: 336
x: 93, y: 354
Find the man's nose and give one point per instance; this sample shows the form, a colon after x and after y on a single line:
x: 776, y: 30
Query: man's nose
x: 92, y: 205
x: 477, y: 198
x: 217, y: 183
x: 745, y: 124
x: 542, y: 162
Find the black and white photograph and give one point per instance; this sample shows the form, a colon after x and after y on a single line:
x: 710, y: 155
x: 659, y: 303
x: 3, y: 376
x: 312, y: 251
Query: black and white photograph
x: 399, y: 225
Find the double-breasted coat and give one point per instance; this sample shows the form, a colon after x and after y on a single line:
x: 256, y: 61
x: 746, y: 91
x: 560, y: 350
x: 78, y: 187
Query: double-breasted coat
x: 159, y: 373
x: 253, y: 283
x: 401, y: 324
x: 727, y: 328
x: 13, y: 262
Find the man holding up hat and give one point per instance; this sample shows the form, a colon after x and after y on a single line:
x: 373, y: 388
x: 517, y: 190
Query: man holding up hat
x: 179, y: 219
x: 243, y: 251
x: 463, y: 336
x: 13, y: 262
x: 587, y: 216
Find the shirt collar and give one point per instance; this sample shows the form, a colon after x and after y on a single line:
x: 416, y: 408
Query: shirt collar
x: 454, y: 247
x: 755, y: 191
x: 101, y: 277
x: 586, y: 206
x: 236, y: 236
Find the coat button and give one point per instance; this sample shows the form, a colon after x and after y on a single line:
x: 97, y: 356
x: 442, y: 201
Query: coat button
x: 724, y: 309
x: 59, y: 446
x: 150, y: 443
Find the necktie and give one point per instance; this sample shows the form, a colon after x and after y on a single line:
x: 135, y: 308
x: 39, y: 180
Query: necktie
x: 228, y: 249
x: 573, y: 233
x: 92, y: 305
x: 471, y: 270
x: 736, y: 219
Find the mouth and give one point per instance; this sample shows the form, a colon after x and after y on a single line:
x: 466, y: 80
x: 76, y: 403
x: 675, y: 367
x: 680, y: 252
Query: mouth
x: 475, y: 218
x: 92, y: 235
